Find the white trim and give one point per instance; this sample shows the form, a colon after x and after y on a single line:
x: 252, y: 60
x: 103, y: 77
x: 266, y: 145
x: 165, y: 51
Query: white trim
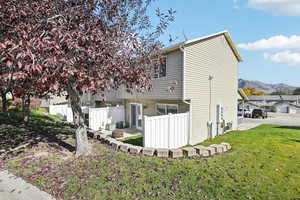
x: 166, y: 104
x: 183, y: 72
x: 225, y: 33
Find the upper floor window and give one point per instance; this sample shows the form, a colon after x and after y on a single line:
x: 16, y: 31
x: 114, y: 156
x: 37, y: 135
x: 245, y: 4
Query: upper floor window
x: 162, y: 69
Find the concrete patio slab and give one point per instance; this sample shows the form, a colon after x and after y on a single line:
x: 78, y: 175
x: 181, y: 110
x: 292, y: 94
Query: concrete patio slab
x: 15, y: 188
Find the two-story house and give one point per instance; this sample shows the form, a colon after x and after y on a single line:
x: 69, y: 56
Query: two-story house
x: 203, y: 75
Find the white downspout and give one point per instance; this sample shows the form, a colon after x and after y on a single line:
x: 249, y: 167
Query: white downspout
x: 181, y: 47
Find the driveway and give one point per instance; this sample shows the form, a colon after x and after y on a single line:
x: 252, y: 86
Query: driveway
x: 274, y: 118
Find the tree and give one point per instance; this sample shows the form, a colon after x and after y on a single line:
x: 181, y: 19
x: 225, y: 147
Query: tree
x: 296, y: 91
x: 6, y: 82
x: 279, y: 92
x: 252, y: 91
x: 84, y: 46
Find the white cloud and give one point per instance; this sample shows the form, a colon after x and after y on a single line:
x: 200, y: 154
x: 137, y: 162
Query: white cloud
x: 277, y: 7
x: 286, y: 57
x: 274, y: 43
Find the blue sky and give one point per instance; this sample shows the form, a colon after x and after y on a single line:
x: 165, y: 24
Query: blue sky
x: 267, y: 32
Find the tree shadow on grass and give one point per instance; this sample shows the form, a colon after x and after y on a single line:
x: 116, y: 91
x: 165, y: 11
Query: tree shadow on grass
x: 295, y: 140
x: 289, y: 127
x: 15, y: 134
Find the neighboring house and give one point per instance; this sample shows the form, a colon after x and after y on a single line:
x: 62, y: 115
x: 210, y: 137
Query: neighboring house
x: 285, y: 108
x: 53, y: 100
x: 277, y: 103
x: 203, y: 75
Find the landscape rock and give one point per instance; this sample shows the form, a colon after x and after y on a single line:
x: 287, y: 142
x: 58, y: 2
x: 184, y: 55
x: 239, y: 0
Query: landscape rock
x: 205, y: 152
x: 211, y: 151
x: 189, y: 151
x: 162, y: 153
x: 199, y: 149
x: 219, y: 148
x: 116, y: 145
x: 135, y: 149
x: 147, y: 151
x: 125, y: 147
x: 228, y: 146
x: 176, y: 153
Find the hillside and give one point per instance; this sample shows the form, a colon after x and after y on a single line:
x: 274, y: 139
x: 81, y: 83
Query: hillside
x: 266, y: 87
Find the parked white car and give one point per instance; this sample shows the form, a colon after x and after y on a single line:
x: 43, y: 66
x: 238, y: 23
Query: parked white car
x: 247, y: 112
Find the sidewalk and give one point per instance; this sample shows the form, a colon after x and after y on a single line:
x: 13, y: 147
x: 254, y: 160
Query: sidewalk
x: 14, y: 188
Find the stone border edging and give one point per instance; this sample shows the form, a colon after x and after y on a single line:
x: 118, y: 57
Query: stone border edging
x: 195, y: 151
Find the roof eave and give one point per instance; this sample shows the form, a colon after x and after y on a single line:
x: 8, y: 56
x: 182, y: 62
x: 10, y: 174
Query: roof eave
x: 225, y: 33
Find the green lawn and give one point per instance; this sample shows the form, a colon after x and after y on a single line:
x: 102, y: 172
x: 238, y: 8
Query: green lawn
x: 264, y: 163
x: 134, y: 140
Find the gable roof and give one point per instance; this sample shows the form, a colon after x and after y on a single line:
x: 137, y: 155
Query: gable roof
x: 284, y: 103
x: 200, y: 39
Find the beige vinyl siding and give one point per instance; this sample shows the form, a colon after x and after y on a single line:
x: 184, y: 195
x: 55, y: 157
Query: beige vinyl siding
x: 110, y: 97
x: 210, y: 57
x: 161, y: 85
x: 149, y: 106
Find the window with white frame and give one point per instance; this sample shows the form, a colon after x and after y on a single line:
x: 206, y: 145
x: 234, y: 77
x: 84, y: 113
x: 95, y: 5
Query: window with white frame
x: 162, y: 69
x: 164, y: 109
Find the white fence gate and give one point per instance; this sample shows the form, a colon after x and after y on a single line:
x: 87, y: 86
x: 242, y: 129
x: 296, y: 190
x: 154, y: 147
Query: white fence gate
x: 167, y: 131
x: 105, y: 118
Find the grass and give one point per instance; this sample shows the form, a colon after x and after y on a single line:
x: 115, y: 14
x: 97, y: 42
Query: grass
x: 134, y: 140
x: 264, y: 163
x: 41, y: 129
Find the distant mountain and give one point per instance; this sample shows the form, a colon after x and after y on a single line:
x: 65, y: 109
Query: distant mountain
x: 266, y: 87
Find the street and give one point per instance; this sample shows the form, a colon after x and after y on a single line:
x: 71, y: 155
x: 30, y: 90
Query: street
x: 273, y: 118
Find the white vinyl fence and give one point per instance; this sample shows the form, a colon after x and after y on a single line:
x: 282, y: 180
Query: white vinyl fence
x: 105, y: 118
x: 167, y: 131
x: 65, y: 111
x: 61, y: 110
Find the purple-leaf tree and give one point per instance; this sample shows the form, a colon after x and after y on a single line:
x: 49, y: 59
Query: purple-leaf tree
x: 82, y: 46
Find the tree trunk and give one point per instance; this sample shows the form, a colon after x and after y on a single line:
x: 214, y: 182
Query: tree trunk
x: 83, y: 147
x: 4, y: 102
x: 26, y: 108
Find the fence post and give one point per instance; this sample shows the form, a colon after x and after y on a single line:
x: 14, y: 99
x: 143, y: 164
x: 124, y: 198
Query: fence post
x: 144, y: 130
x: 169, y: 129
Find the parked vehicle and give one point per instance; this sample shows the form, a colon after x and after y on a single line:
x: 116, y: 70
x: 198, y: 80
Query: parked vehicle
x: 257, y: 113
x: 246, y: 112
